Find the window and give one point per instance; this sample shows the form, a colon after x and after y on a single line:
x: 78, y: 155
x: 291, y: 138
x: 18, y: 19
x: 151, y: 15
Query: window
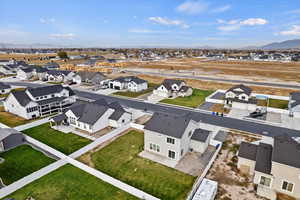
x: 287, y: 186
x: 170, y: 140
x: 265, y: 181
x: 190, y: 133
x: 181, y: 153
x: 154, y: 147
x: 171, y: 154
x: 53, y: 95
x: 123, y: 120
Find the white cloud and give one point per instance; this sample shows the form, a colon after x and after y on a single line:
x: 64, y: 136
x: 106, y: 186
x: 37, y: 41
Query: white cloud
x: 221, y: 9
x: 146, y: 31
x: 228, y: 28
x: 254, y: 21
x: 68, y: 36
x: 294, y: 31
x: 235, y: 24
x: 47, y: 20
x: 168, y: 22
x: 193, y: 7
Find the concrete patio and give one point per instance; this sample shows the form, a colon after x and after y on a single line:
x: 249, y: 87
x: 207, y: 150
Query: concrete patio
x: 194, y: 163
x: 159, y: 159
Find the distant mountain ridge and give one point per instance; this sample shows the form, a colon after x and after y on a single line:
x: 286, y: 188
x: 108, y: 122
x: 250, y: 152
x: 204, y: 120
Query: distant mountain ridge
x: 288, y: 44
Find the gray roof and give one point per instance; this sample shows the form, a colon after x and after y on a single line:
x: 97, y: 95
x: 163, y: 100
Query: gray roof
x: 295, y: 96
x: 86, y: 75
x: 248, y: 151
x: 128, y: 79
x: 247, y: 90
x: 59, y: 118
x: 5, y: 132
x: 41, y: 91
x: 200, y: 135
x: 58, y: 72
x: 51, y: 100
x: 167, y: 83
x: 21, y: 97
x: 89, y: 113
x: 184, y: 88
x: 286, y: 151
x: 263, y: 158
x: 167, y: 124
x: 27, y: 69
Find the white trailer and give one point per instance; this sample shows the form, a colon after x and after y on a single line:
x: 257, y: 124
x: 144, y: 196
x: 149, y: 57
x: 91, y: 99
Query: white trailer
x: 207, y: 190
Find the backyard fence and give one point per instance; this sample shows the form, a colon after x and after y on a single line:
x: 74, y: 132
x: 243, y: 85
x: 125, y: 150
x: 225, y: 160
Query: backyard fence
x: 202, y: 176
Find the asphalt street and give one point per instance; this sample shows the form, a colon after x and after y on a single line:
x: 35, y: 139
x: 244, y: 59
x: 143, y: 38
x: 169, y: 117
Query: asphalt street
x: 205, y: 117
x: 218, y: 79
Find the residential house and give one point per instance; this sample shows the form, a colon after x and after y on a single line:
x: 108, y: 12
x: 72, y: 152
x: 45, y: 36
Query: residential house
x: 172, y: 136
x: 51, y: 66
x: 130, y: 83
x: 38, y: 102
x: 65, y: 76
x: 10, y: 138
x: 25, y: 73
x: 94, y: 116
x: 274, y: 165
x: 4, y: 69
x: 171, y: 88
x: 94, y: 78
x: 4, y: 88
x: 239, y: 96
x: 294, y: 104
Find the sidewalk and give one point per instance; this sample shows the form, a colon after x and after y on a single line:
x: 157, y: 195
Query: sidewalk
x: 32, y: 124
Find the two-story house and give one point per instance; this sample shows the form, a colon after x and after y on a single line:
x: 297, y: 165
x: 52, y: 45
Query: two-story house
x: 130, y: 83
x: 171, y: 88
x: 294, y: 104
x: 38, y: 102
x: 239, y: 96
x: 172, y: 136
x: 274, y: 165
x: 65, y: 76
x: 94, y: 116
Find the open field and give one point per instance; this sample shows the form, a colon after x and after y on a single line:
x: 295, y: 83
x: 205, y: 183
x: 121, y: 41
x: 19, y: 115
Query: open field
x: 12, y: 120
x: 153, y: 178
x: 193, y: 101
x: 69, y: 182
x: 253, y: 69
x: 151, y: 87
x: 66, y: 143
x: 20, y: 162
x: 210, y: 85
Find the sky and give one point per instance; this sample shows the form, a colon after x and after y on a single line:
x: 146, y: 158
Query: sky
x: 149, y: 23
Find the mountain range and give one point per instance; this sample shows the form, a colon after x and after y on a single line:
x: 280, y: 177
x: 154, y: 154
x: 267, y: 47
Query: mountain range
x: 288, y: 44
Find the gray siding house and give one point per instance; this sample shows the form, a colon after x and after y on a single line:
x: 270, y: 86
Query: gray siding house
x: 172, y: 136
x: 94, y: 78
x: 274, y: 165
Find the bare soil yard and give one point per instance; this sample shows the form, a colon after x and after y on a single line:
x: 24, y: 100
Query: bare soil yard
x: 232, y: 184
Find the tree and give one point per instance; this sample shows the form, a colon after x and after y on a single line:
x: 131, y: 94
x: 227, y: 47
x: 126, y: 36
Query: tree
x: 62, y: 55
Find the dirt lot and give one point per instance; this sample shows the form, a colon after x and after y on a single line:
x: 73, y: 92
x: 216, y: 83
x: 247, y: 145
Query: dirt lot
x: 210, y: 85
x: 232, y: 184
x: 255, y: 70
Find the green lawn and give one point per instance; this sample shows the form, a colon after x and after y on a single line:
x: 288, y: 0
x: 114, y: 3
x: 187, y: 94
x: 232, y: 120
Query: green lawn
x: 70, y: 183
x: 151, y: 87
x: 20, y: 162
x: 66, y: 143
x: 120, y: 159
x: 193, y: 101
x: 274, y: 103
